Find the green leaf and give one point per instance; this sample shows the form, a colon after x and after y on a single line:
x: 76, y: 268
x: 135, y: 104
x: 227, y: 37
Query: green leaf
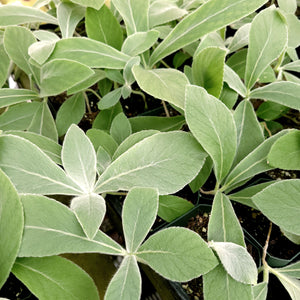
x: 280, y: 203
x: 224, y: 225
x: 172, y: 207
x: 132, y: 140
x: 68, y: 16
x: 209, y: 17
x: 70, y: 112
x: 292, y: 270
x: 96, y: 4
x: 139, y: 42
x: 164, y: 84
x: 110, y: 99
x: 101, y: 138
x: 52, y: 228
x: 11, y: 226
x: 269, y: 111
x: 228, y: 288
x: 159, y: 161
x: 208, y: 69
x: 254, y: 163
x: 238, y: 263
x: 43, y: 122
x: 4, y: 65
x: 18, y: 52
x: 249, y: 131
x: 103, y: 160
x: 240, y: 38
x: 120, y: 128
x: 89, y: 210
x: 245, y: 195
x: 161, y: 12
x: 281, y: 92
x: 90, y: 52
x: 293, y: 30
x: 292, y: 237
x: 156, y: 123
x: 134, y: 13
x: 64, y: 279
x: 177, y: 254
x: 55, y: 76
x: 285, y: 152
x: 292, y: 66
x: 15, y: 15
x: 142, y: 203
x: 268, y: 38
x: 79, y: 158
x: 206, y: 117
x: 237, y: 62
x: 48, y: 146
x: 13, y: 96
x: 40, y: 51
x: 228, y: 96
x: 289, y: 6
x: 90, y: 81
x: 41, y: 177
x: 127, y: 282
x: 102, y: 25
x: 260, y: 291
x: 234, y: 81
x: 19, y: 116
x: 45, y: 35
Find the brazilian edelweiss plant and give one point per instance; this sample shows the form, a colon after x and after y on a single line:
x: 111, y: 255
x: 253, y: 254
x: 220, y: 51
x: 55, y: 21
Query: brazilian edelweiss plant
x: 213, y: 94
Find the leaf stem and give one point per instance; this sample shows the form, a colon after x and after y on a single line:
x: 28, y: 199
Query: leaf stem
x: 87, y: 103
x: 165, y: 108
x: 93, y: 92
x: 264, y: 255
x: 142, y: 95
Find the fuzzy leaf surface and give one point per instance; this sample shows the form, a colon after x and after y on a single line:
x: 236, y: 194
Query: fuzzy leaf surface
x: 13, y: 96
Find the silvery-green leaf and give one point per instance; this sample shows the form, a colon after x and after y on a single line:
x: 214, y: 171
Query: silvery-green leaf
x: 295, y: 238
x: 90, y: 3
x: 127, y: 282
x: 158, y: 161
x: 4, y: 65
x: 282, y: 196
x: 71, y: 111
x: 89, y: 210
x: 292, y: 66
x: 234, y: 81
x: 142, y: 203
x: 267, y: 39
x: 120, y: 128
x: 285, y: 152
x: 103, y: 159
x: 206, y: 117
x: 210, y: 16
x: 156, y: 123
x: 208, y: 69
x: 281, y: 92
x: 289, y: 6
x: 228, y: 96
x: 132, y: 140
x: 103, y: 26
x: 134, y: 13
x: 40, y: 51
x: 47, y: 145
x: 164, y: 84
x: 245, y: 195
x: 249, y: 132
x: 110, y: 99
x: 68, y: 16
x: 224, y: 225
x: 228, y: 288
x: 79, y: 158
x: 90, y: 52
x: 177, y: 253
x: 12, y: 96
x: 11, y: 226
x: 101, y: 138
x: 293, y: 30
x: 254, y: 163
x: 139, y: 42
x: 56, y: 76
x: 42, y: 177
x: 15, y: 15
x: 161, y: 12
x: 238, y: 263
x: 18, y: 53
x: 292, y: 270
x: 171, y: 207
x: 240, y: 38
x: 46, y: 35
x: 260, y: 291
x: 43, y: 123
x: 52, y: 228
x: 63, y: 280
x: 127, y: 72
